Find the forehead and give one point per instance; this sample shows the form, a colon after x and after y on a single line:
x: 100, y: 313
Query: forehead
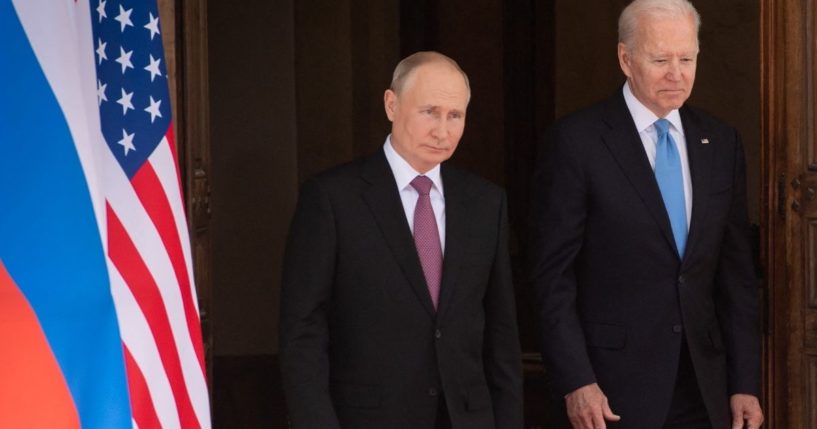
x: 435, y: 81
x: 666, y: 33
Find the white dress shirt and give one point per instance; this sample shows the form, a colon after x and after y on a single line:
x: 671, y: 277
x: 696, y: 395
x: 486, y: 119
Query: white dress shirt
x: 644, y: 122
x: 403, y: 175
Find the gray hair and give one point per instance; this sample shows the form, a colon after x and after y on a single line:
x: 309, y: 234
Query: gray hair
x: 628, y: 21
x: 408, y: 65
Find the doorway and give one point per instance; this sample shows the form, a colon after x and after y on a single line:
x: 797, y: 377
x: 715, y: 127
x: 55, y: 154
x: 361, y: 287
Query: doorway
x: 318, y: 70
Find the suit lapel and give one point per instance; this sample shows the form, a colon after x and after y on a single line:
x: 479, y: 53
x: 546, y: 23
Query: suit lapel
x: 383, y: 200
x: 624, y: 143
x: 456, y: 234
x: 700, y: 161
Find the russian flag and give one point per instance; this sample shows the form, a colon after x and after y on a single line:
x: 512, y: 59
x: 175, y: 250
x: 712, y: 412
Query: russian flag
x: 98, y: 316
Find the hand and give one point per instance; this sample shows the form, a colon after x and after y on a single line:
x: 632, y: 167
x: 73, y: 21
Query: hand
x: 745, y: 408
x: 587, y: 408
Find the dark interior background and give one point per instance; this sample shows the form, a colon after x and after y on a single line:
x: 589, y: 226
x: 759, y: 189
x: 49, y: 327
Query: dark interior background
x: 296, y: 87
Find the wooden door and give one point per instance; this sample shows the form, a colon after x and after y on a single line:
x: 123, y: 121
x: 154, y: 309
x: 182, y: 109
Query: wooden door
x: 789, y: 49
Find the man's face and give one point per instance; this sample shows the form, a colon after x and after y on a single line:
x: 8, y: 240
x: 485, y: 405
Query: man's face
x: 660, y: 64
x: 428, y: 117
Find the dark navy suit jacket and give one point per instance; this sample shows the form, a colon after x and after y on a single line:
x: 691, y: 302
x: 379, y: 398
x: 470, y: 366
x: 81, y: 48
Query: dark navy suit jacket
x: 614, y: 297
x: 361, y: 344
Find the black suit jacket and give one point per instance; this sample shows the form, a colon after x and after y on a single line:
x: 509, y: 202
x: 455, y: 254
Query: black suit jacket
x: 613, y: 295
x: 361, y: 344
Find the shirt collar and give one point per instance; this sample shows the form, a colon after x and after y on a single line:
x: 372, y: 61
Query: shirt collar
x: 644, y: 117
x: 404, y: 173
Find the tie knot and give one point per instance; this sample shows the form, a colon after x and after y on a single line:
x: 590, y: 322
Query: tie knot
x: 662, y: 127
x: 422, y: 184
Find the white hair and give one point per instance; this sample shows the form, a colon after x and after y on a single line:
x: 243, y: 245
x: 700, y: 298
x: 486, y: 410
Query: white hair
x: 629, y: 20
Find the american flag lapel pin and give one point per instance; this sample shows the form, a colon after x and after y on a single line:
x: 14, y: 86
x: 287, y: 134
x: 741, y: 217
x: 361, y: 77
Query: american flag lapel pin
x: 704, y: 141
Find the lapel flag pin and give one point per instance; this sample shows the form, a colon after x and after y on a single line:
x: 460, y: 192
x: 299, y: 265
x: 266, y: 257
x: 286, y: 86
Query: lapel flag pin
x: 704, y: 141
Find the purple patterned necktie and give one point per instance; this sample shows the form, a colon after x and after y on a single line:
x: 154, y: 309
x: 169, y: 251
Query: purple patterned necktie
x: 427, y: 238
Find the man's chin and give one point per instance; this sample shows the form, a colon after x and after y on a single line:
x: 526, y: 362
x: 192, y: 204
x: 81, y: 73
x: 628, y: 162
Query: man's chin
x: 438, y: 158
x: 434, y: 153
x: 675, y: 102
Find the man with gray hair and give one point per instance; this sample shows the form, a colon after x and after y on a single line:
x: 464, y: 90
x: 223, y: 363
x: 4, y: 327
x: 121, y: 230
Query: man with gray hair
x: 641, y: 258
x: 397, y: 306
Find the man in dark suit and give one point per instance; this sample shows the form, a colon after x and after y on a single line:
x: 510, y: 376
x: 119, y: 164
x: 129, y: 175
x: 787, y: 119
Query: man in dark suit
x: 397, y: 308
x: 640, y: 256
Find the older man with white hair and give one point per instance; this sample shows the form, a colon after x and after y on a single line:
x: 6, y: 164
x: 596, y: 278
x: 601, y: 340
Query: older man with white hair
x: 641, y: 257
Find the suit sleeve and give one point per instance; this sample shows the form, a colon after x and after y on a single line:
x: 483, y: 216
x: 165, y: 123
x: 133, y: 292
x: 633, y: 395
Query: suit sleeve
x: 737, y: 297
x: 305, y: 300
x: 557, y: 225
x: 502, y: 355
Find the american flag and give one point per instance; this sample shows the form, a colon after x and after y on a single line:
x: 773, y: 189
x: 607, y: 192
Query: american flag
x: 148, y: 251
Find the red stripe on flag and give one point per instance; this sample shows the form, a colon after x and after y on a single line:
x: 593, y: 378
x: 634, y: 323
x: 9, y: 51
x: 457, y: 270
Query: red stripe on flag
x: 130, y: 264
x: 143, y: 412
x: 171, y: 142
x: 149, y: 190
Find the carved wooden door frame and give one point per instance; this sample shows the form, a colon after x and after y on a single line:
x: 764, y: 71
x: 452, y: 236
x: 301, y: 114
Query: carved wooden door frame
x: 789, y: 211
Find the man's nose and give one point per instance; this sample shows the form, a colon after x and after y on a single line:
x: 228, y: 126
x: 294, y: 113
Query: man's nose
x: 674, y: 72
x: 440, y: 130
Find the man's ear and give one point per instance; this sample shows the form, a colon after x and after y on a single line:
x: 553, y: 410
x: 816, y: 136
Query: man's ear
x: 625, y: 59
x: 390, y: 103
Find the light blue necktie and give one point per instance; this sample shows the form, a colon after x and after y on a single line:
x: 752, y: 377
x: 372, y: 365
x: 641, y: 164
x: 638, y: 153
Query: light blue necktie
x: 670, y: 179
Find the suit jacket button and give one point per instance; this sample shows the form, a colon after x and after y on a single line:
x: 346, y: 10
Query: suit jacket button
x: 677, y: 329
x: 438, y: 334
x: 681, y: 280
x: 433, y: 391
